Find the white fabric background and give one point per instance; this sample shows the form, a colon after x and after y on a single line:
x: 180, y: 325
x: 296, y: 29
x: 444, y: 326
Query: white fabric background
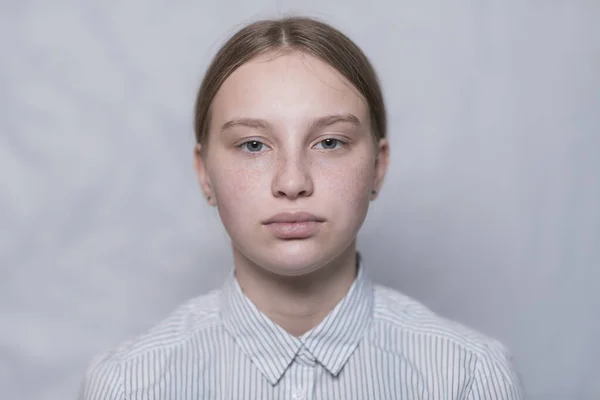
x: 489, y: 215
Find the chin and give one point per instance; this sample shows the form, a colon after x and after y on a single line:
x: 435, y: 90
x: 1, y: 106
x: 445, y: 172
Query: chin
x: 295, y: 258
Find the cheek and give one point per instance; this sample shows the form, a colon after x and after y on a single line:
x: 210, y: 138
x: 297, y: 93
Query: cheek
x: 348, y: 183
x: 238, y: 190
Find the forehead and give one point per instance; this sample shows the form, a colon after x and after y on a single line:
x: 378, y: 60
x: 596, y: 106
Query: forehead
x: 289, y: 87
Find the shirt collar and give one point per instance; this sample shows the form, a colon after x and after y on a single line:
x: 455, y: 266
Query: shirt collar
x: 272, y: 349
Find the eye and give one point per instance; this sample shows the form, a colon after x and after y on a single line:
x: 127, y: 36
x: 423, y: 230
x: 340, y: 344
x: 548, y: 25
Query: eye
x: 329, y: 144
x: 252, y: 146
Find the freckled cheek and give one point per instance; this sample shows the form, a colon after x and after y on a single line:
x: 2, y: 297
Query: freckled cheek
x: 348, y: 183
x: 239, y: 189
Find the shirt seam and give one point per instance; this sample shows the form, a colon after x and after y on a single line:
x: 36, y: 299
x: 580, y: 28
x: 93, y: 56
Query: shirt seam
x: 473, y: 377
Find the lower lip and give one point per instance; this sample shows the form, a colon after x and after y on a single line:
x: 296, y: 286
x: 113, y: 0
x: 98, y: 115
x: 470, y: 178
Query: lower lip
x: 294, y: 230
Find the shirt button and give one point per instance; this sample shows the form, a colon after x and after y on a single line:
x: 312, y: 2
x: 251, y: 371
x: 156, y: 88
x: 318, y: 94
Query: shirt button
x: 297, y: 394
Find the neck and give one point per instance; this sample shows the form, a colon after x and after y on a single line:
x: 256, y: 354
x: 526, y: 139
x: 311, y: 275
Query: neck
x: 297, y: 303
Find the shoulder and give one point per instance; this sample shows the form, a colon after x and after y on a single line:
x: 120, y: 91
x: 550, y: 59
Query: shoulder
x: 400, y: 313
x: 408, y: 329
x: 433, y: 345
x: 190, y: 319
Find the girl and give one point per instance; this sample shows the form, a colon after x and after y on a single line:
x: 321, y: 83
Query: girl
x: 291, y: 148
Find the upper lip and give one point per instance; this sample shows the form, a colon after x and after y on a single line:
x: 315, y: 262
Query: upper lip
x: 293, y: 217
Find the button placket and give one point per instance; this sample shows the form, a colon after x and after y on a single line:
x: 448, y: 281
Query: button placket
x: 301, y: 376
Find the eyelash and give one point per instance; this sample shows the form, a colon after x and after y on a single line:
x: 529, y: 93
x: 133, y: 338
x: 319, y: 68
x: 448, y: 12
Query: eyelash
x: 339, y: 142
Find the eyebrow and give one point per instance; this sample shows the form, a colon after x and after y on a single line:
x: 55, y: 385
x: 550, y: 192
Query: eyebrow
x: 328, y: 120
x: 247, y: 122
x: 319, y: 123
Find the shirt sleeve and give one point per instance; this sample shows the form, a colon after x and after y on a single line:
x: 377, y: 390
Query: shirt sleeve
x: 494, y: 376
x: 103, y: 381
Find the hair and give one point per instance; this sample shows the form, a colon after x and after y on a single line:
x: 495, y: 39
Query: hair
x: 289, y: 34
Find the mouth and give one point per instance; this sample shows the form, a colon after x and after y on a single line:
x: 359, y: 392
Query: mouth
x: 289, y: 226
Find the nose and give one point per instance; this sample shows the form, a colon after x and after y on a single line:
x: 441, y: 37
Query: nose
x: 292, y: 178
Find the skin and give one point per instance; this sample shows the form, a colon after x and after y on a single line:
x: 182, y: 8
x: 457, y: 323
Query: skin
x: 286, y: 162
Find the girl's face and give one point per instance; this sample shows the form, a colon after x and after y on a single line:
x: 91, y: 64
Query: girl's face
x: 291, y: 162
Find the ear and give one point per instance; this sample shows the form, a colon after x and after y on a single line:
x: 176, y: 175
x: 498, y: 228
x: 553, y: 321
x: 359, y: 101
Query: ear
x: 203, y: 177
x: 381, y: 165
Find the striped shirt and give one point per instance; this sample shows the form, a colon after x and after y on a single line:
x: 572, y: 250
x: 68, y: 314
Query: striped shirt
x: 375, y: 344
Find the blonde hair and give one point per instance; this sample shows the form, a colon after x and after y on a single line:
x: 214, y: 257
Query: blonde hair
x: 303, y: 34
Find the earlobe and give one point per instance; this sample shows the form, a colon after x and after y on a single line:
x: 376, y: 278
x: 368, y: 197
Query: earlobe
x: 373, y: 194
x: 381, y: 165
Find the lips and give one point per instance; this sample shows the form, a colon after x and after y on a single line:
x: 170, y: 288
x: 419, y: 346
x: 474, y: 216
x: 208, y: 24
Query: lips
x: 293, y: 217
x: 298, y: 225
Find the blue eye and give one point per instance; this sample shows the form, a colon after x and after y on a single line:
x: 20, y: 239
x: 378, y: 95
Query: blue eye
x: 329, y: 144
x: 252, y: 146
